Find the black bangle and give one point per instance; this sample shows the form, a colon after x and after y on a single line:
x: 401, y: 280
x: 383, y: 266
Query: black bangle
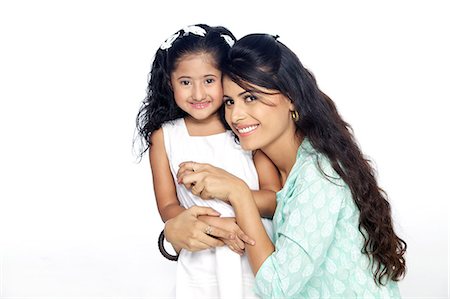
x: 163, y: 250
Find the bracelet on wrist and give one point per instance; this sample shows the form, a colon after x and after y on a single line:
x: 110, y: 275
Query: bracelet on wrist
x: 163, y: 250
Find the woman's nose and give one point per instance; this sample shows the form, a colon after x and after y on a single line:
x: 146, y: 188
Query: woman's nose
x: 237, y: 112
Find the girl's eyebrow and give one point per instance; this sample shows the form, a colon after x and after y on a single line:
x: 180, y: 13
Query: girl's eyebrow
x: 189, y: 77
x: 184, y: 77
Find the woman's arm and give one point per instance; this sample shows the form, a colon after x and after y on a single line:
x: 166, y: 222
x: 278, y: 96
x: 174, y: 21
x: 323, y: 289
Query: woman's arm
x: 249, y: 220
x: 209, y: 182
x: 190, y: 234
x: 306, y: 226
x: 269, y: 184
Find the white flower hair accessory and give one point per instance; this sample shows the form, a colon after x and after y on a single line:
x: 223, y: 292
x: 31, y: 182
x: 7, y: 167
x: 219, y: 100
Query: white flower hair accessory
x: 197, y: 30
x: 168, y: 42
x: 228, y: 39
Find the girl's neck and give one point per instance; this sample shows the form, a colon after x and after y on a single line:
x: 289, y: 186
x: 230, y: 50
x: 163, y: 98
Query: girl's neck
x: 204, y: 127
x: 283, y: 154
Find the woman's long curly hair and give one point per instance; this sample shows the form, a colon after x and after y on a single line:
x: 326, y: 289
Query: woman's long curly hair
x: 159, y: 105
x: 261, y: 60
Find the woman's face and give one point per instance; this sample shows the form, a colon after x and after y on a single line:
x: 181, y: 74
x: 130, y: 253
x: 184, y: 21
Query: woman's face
x: 258, y: 119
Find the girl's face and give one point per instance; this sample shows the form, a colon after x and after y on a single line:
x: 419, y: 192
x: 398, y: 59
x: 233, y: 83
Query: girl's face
x: 258, y: 119
x: 197, y: 86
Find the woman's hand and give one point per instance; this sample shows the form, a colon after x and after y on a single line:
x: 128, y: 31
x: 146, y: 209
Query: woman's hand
x: 185, y: 231
x: 207, y: 181
x: 229, y: 224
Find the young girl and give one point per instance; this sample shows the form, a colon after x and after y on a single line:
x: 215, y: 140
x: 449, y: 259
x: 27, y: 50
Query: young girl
x: 333, y: 231
x: 180, y: 121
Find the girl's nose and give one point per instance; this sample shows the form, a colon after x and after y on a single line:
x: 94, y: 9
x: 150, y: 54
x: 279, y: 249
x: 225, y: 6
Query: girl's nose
x: 198, y: 92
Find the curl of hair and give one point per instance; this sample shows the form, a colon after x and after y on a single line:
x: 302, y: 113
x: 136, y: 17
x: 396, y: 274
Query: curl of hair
x: 159, y: 105
x: 261, y: 60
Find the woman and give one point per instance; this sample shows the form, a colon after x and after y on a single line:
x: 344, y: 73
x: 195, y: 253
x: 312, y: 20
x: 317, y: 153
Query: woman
x: 334, y: 236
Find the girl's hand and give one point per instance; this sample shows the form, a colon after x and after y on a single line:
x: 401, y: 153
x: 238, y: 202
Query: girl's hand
x: 229, y: 224
x: 207, y: 181
x: 185, y: 231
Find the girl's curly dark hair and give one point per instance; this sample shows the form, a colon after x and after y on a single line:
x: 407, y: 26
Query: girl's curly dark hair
x: 261, y: 60
x: 159, y: 105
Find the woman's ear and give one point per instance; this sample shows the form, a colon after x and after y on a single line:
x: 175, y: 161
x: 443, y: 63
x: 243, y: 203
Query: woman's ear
x: 291, y: 105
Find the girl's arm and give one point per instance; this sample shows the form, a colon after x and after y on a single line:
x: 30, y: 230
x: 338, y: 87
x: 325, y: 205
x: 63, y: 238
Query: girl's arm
x: 163, y: 185
x: 269, y: 184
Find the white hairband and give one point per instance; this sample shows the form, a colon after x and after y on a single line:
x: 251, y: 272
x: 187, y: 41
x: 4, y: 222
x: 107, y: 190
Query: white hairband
x: 197, y: 30
x: 228, y: 39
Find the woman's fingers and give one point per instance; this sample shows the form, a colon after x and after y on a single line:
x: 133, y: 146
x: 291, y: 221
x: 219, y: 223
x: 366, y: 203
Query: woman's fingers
x: 193, y: 166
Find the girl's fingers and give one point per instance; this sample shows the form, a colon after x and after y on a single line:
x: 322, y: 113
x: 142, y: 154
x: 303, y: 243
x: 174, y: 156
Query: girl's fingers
x: 211, y: 242
x: 240, y: 243
x: 234, y: 247
x: 219, y: 233
x: 201, y: 211
x: 205, y: 243
x: 242, y: 236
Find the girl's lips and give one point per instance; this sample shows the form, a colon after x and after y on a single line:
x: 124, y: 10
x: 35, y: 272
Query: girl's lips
x: 201, y: 105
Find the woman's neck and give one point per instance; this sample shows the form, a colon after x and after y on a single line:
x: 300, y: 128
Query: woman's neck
x: 283, y: 153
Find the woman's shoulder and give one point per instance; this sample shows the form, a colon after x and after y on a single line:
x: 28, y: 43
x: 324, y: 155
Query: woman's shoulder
x: 313, y: 167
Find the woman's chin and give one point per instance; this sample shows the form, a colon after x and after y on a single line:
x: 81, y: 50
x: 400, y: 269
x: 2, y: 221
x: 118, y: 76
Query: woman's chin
x: 247, y: 146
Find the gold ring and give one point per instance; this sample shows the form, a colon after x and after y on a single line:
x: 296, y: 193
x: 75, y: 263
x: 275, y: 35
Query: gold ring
x: 208, y: 230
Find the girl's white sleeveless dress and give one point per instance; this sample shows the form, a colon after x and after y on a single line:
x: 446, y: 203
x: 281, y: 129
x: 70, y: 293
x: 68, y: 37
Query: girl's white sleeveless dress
x: 217, y: 272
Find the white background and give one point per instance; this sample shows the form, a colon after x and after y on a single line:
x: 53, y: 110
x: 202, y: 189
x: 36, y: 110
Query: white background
x: 78, y: 216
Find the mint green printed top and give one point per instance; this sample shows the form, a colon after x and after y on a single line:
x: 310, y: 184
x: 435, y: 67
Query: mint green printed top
x: 317, y: 241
